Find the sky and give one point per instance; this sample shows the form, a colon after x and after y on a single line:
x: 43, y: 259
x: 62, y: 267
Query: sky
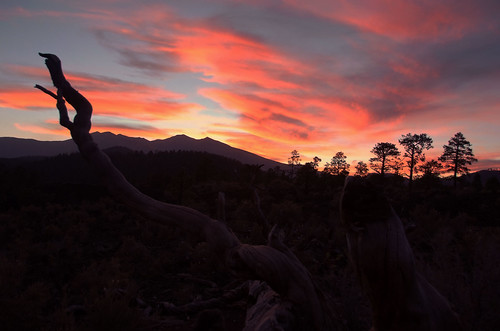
x: 316, y: 76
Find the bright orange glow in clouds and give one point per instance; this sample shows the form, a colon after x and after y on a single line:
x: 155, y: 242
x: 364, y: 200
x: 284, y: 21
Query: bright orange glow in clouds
x: 317, y: 76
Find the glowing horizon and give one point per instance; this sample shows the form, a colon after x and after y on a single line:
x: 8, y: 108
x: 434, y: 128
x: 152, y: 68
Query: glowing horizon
x: 267, y: 77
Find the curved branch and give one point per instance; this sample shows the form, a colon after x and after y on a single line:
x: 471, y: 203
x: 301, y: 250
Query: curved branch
x: 273, y: 264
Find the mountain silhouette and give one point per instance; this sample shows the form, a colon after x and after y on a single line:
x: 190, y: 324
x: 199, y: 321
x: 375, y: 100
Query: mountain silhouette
x: 20, y: 147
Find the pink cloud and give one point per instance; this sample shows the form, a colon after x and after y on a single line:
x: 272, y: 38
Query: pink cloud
x: 399, y: 19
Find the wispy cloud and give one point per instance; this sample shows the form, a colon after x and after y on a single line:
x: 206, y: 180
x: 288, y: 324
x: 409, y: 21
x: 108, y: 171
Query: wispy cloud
x: 404, y: 19
x: 44, y: 130
x: 113, y: 97
x: 52, y: 128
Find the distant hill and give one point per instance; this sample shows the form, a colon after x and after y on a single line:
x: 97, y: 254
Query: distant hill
x: 483, y: 175
x: 19, y: 147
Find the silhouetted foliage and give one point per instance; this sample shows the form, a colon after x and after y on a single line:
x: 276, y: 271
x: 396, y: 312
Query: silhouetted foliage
x: 457, y: 155
x: 338, y: 165
x: 414, y: 146
x: 384, y: 153
x: 431, y: 168
x: 361, y: 169
x: 430, y: 174
x: 397, y: 165
x: 492, y: 185
x: 294, y: 161
x: 315, y: 162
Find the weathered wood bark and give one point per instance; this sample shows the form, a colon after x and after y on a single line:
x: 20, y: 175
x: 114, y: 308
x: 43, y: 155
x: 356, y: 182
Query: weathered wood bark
x: 228, y: 296
x: 269, y: 312
x: 401, y: 299
x: 275, y: 263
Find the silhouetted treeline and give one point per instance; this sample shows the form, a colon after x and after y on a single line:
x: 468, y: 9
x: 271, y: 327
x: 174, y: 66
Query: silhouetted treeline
x: 74, y: 259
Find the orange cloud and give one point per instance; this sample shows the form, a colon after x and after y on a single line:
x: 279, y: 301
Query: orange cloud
x: 36, y: 129
x: 25, y: 99
x: 110, y: 97
x: 131, y: 132
x: 267, y: 148
x: 305, y: 119
x: 129, y: 105
x: 263, y: 117
x: 227, y: 58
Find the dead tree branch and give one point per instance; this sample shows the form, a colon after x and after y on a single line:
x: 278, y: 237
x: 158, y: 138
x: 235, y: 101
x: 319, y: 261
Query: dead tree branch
x: 229, y: 296
x: 43, y: 89
x: 273, y: 264
x: 401, y: 299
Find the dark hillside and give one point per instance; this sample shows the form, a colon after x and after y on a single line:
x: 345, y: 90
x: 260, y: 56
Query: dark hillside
x: 21, y: 148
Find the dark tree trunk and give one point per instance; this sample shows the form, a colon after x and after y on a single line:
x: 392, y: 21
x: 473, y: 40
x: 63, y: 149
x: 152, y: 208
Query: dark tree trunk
x: 412, y: 165
x: 401, y: 299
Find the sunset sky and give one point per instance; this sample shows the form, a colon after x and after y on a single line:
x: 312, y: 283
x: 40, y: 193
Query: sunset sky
x: 318, y: 76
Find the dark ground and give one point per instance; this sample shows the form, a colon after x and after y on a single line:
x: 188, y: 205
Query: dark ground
x: 72, y: 258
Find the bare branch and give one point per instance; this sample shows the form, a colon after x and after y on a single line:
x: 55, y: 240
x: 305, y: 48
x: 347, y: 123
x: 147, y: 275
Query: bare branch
x: 43, y: 89
x: 275, y: 265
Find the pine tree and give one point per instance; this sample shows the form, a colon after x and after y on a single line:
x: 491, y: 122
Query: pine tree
x: 293, y: 161
x: 457, y: 155
x: 338, y: 165
x: 414, y: 145
x: 384, y: 152
x: 361, y: 169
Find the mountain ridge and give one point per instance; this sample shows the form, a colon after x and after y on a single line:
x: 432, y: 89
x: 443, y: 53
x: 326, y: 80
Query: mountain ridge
x: 11, y: 147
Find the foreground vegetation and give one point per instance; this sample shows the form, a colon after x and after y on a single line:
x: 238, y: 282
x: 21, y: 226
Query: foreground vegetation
x: 74, y: 259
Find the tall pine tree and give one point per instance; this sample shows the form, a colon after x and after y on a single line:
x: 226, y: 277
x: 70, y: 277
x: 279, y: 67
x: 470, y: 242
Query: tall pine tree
x: 384, y: 152
x: 414, y: 146
x: 457, y: 155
